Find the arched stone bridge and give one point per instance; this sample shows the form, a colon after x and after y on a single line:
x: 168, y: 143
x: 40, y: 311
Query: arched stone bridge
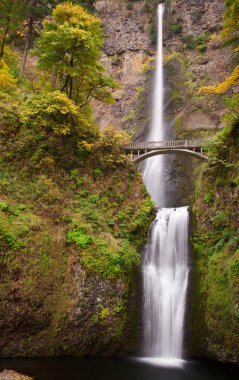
x: 139, y: 151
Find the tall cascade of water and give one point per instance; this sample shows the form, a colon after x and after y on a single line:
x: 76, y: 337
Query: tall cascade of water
x: 165, y: 267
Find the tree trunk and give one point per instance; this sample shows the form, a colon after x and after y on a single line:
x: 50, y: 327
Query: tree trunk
x: 6, y: 29
x: 28, y: 41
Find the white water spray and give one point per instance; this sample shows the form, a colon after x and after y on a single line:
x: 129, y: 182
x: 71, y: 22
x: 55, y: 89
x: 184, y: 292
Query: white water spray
x: 165, y: 268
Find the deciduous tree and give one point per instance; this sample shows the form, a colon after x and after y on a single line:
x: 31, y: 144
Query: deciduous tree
x: 70, y: 48
x: 12, y: 13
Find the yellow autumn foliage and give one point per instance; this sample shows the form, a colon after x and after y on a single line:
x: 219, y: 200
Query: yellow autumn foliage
x: 225, y: 86
x: 7, y: 81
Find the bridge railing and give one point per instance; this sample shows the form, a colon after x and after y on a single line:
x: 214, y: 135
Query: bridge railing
x: 154, y: 145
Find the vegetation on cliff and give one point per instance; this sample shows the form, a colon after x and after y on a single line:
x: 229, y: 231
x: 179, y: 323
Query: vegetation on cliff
x: 215, y: 318
x: 230, y: 36
x: 73, y: 210
x: 216, y: 249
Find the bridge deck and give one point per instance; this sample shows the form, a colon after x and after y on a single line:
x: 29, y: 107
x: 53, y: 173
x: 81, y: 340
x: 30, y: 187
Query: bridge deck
x: 157, y: 145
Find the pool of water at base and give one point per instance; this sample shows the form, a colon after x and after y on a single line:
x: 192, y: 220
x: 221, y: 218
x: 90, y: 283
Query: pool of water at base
x: 118, y: 369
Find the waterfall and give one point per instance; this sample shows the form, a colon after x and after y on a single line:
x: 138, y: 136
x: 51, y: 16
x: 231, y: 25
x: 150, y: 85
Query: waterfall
x: 165, y: 267
x: 152, y: 169
x: 165, y: 284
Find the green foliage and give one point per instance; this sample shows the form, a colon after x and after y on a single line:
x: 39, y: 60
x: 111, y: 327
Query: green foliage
x: 12, y: 14
x: 232, y: 115
x: 231, y: 28
x: 216, y: 244
x: 153, y: 33
x: 217, y: 148
x: 79, y: 237
x: 192, y: 42
x: 3, y: 206
x: 220, y: 219
x: 97, y: 173
x: 130, y: 5
x: 110, y: 261
x: 66, y: 191
x: 102, y: 315
x: 8, y: 239
x: 176, y: 28
x: 208, y: 197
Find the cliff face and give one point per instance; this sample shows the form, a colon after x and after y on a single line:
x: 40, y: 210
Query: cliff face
x: 127, y: 48
x: 193, y: 57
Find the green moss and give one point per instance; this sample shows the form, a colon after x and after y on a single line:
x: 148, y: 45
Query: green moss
x: 110, y: 260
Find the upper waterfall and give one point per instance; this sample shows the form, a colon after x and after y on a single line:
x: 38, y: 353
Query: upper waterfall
x: 152, y: 169
x: 156, y: 131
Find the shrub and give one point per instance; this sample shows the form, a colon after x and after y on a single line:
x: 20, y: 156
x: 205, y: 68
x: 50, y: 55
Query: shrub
x: 46, y: 189
x: 7, y: 82
x: 107, y: 151
x: 53, y: 111
x: 79, y: 237
x: 153, y: 33
x: 220, y: 219
x: 130, y: 6
x: 208, y: 197
x: 192, y: 42
x: 176, y: 28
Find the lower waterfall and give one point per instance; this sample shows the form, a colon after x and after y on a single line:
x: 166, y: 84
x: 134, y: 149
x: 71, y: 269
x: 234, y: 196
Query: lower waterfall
x: 165, y: 276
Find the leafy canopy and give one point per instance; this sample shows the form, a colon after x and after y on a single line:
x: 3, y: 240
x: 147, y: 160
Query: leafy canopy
x: 70, y: 48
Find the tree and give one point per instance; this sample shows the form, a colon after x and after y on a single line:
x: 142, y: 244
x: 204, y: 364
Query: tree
x: 37, y: 10
x: 69, y: 48
x: 12, y: 13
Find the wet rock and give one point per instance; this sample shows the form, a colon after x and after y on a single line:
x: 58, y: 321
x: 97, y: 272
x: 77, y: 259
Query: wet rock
x: 12, y: 375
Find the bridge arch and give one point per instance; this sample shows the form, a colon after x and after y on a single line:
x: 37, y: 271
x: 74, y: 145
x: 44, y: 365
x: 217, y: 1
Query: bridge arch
x: 140, y: 151
x: 152, y: 153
